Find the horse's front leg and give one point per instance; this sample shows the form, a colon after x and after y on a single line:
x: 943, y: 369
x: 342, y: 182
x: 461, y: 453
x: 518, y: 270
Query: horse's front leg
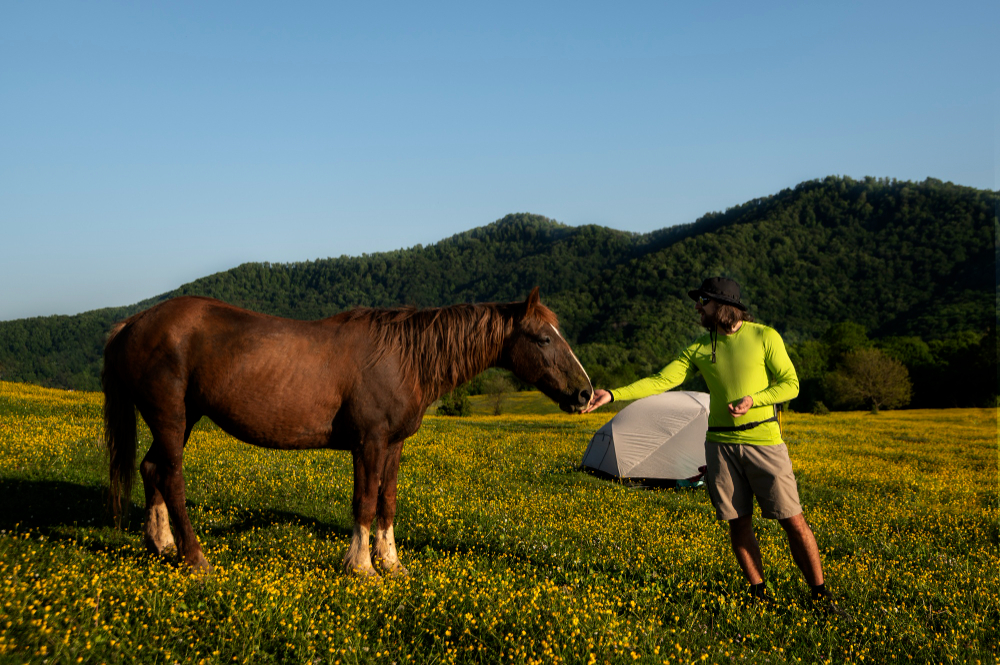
x: 369, y: 458
x: 385, y: 541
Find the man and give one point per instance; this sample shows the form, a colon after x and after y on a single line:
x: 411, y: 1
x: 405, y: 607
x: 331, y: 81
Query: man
x: 748, y: 373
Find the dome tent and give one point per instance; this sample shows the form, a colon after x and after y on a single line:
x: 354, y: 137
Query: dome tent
x: 657, y: 438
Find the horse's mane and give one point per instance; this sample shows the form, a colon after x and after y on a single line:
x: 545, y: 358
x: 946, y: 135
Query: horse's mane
x: 441, y: 347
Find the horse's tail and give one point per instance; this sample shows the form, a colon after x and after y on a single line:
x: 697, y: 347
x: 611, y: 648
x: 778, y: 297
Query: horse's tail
x: 119, y: 425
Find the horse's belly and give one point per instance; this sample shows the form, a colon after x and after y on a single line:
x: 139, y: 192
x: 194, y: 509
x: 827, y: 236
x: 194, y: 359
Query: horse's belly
x: 263, y: 400
x: 279, y: 432
x: 269, y: 417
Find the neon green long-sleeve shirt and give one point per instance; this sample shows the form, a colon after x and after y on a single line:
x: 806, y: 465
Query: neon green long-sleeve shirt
x: 752, y: 361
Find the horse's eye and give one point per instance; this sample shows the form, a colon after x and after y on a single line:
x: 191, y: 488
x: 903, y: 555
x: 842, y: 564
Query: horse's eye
x: 544, y: 340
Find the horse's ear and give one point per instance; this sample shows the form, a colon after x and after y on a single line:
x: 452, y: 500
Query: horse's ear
x: 532, y: 302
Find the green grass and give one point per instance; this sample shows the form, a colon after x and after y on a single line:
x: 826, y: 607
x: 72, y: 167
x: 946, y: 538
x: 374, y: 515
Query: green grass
x: 514, y: 555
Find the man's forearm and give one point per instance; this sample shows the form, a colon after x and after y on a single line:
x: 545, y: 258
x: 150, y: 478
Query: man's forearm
x: 777, y: 393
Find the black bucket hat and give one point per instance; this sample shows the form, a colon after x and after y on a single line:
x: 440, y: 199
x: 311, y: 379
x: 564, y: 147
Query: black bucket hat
x: 722, y: 289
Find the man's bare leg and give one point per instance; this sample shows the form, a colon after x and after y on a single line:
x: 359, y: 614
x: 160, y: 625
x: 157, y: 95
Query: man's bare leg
x: 746, y: 548
x: 805, y: 552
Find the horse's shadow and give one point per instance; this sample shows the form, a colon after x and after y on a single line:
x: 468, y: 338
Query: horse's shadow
x: 44, y: 505
x: 251, y: 519
x: 63, y: 510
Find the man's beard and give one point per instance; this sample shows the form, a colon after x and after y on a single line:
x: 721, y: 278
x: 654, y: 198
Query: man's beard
x: 711, y: 322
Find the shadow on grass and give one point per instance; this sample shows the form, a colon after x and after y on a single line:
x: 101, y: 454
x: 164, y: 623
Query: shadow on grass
x: 251, y: 519
x: 42, y: 505
x: 46, y: 504
x: 70, y: 512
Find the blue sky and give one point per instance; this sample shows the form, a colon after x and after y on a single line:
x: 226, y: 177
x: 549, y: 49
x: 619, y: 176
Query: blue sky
x: 145, y: 145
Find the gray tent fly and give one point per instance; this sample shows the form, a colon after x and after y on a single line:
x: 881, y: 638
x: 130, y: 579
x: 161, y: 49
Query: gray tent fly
x: 658, y: 440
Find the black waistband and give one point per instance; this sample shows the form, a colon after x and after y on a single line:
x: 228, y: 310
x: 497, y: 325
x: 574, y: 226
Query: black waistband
x: 743, y: 427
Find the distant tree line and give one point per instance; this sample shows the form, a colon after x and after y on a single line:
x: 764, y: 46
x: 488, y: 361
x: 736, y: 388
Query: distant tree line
x: 957, y: 370
x: 910, y: 265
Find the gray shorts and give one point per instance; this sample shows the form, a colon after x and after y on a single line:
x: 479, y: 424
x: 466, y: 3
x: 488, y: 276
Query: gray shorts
x: 739, y: 472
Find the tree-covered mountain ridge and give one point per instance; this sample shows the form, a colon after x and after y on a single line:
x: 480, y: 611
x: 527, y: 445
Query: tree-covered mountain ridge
x: 898, y: 258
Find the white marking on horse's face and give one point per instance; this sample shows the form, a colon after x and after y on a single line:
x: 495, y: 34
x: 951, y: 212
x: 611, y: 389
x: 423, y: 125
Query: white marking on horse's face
x: 578, y: 363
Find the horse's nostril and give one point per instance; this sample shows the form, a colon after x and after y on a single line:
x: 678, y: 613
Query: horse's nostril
x: 583, y: 397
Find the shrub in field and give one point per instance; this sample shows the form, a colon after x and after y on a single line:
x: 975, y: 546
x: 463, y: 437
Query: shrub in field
x: 455, y: 403
x: 497, y: 388
x: 868, y: 377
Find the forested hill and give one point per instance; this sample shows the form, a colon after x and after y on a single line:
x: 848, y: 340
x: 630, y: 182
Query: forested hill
x: 901, y: 259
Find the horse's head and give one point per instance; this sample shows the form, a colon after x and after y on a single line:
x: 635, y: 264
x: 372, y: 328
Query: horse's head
x: 536, y: 352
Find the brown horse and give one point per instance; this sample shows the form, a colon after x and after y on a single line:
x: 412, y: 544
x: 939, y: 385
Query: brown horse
x: 357, y: 381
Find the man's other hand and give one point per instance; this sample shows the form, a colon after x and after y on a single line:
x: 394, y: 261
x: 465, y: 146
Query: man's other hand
x: 740, y: 407
x: 701, y: 474
x: 599, y: 399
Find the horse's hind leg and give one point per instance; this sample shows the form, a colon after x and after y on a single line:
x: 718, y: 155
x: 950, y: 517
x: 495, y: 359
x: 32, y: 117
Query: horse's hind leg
x: 165, y: 468
x: 385, y: 540
x: 158, y: 537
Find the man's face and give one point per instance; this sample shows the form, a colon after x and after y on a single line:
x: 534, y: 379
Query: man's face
x: 707, y: 311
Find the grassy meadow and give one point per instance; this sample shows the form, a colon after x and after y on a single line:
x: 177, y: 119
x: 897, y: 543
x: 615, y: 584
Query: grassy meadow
x: 515, y: 556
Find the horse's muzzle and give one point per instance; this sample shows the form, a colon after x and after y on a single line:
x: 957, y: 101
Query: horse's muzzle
x: 577, y: 401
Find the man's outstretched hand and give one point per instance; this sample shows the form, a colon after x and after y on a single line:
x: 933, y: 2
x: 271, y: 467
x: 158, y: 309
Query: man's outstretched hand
x: 599, y: 399
x: 740, y: 407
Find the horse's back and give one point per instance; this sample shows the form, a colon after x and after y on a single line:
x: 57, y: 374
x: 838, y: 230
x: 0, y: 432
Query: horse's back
x: 201, y: 324
x: 171, y: 331
x: 268, y: 380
